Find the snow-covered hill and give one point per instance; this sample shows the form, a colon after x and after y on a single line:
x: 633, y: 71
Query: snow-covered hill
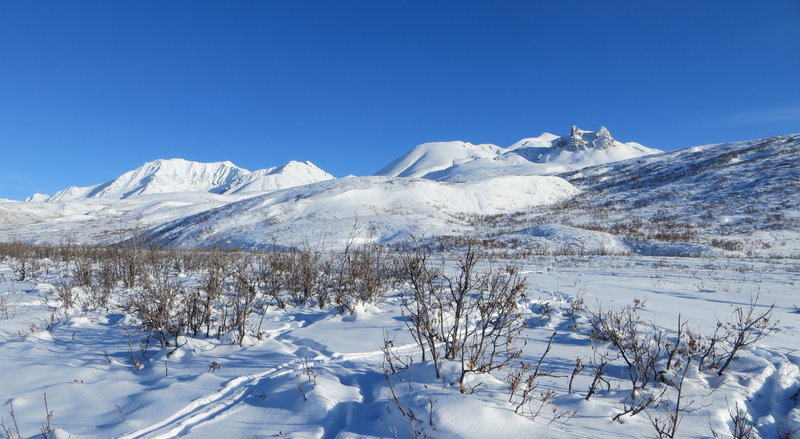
x: 289, y: 175
x: 178, y: 175
x: 546, y: 154
x: 366, y: 208
x: 739, y: 198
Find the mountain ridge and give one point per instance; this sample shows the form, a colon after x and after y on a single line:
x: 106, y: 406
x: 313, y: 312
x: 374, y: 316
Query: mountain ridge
x: 542, y: 155
x: 733, y: 199
x: 180, y: 175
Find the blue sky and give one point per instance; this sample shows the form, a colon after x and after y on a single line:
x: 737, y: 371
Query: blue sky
x: 90, y: 89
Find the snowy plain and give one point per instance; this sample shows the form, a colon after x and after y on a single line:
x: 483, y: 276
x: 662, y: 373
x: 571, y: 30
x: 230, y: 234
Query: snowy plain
x: 81, y: 360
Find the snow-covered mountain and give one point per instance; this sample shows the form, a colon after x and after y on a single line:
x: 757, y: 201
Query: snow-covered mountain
x: 178, y: 175
x: 546, y: 154
x: 289, y: 175
x: 37, y: 198
x: 741, y: 197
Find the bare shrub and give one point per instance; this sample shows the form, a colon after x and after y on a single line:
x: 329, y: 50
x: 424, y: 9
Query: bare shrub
x: 638, y: 344
x: 82, y: 271
x: 494, y: 323
x: 211, y: 283
x: 672, y: 407
x: 523, y: 384
x: 363, y: 275
x: 158, y: 310
x: 740, y: 427
x: 245, y: 294
x: 273, y: 268
x: 129, y: 265
x: 65, y: 292
x: 301, y: 281
x: 23, y: 262
x: 747, y: 327
x: 469, y: 317
x: 421, y: 317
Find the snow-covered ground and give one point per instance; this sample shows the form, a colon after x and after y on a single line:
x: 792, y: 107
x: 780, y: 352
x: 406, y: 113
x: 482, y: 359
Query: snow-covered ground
x: 320, y: 372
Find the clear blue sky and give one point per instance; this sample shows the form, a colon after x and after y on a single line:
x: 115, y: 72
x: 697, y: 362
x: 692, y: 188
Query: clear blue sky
x: 90, y: 89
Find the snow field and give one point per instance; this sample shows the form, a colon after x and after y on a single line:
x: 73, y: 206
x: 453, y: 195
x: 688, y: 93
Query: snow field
x: 81, y: 358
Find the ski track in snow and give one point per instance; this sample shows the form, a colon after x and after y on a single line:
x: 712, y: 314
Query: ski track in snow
x: 214, y: 406
x: 771, y: 402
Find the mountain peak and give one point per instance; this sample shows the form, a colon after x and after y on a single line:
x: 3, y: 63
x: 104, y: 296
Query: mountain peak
x: 180, y: 175
x: 579, y: 139
x: 545, y: 154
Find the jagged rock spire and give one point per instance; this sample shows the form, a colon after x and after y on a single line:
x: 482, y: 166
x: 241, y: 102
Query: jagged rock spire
x: 579, y: 139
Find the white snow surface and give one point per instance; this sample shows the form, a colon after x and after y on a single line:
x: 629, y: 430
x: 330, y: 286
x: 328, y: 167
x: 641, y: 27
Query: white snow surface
x: 37, y: 197
x: 376, y: 208
x: 381, y: 208
x: 81, y: 359
x: 546, y: 154
x: 178, y: 175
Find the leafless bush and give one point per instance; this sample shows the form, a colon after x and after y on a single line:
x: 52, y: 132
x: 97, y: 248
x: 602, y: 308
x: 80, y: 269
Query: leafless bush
x: 416, y: 424
x: 302, y: 276
x: 473, y: 316
x: 524, y: 384
x: 672, y: 407
x: 747, y: 327
x: 421, y: 317
x: 245, y: 295
x: 494, y: 323
x: 7, y: 310
x: 7, y: 430
x: 211, y: 282
x: 82, y: 271
x: 740, y: 426
x: 637, y: 343
x: 364, y: 274
x: 272, y: 272
x: 158, y: 310
x: 106, y: 281
x: 25, y: 265
x: 598, y: 367
x: 65, y: 292
x: 47, y: 428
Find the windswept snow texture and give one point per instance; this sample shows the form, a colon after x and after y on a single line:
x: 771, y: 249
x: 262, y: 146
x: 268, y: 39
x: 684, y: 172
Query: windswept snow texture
x: 178, y: 175
x: 546, y: 154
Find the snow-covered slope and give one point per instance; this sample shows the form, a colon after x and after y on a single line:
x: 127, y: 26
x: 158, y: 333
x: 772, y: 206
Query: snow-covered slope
x: 438, y: 156
x: 37, y: 198
x: 178, y: 175
x: 738, y: 198
x: 375, y: 208
x: 101, y: 220
x: 741, y: 197
x: 546, y: 154
x: 289, y: 175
